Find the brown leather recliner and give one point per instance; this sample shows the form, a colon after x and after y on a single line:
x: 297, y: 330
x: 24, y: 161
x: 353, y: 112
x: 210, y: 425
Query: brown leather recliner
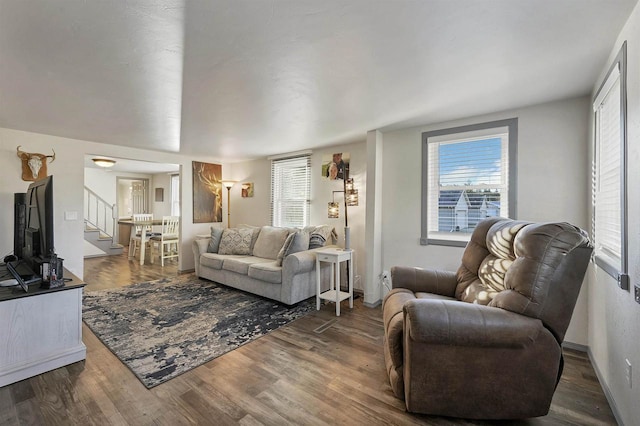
x: 485, y: 342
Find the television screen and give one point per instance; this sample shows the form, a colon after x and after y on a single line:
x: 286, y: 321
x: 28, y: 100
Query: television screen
x: 39, y: 220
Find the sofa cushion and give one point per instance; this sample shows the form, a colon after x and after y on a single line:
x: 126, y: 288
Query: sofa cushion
x: 214, y: 242
x: 241, y: 265
x: 213, y: 260
x: 236, y: 241
x: 295, y: 242
x: 270, y: 241
x: 269, y: 272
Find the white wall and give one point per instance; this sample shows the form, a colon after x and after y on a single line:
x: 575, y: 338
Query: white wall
x: 251, y: 210
x: 552, y: 171
x: 161, y: 208
x: 614, y: 317
x: 68, y: 172
x: 256, y: 210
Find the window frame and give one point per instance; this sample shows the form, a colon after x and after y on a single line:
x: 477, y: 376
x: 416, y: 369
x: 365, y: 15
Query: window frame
x: 512, y: 125
x: 307, y: 208
x: 605, y: 262
x: 175, y: 197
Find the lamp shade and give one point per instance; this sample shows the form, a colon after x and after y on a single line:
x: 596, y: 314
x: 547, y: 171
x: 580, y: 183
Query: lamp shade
x: 228, y: 183
x: 348, y: 184
x: 333, y: 211
x: 103, y: 162
x: 352, y: 197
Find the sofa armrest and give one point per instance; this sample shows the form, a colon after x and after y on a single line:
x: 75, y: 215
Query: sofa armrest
x: 300, y: 262
x: 446, y: 322
x: 424, y: 280
x: 199, y: 246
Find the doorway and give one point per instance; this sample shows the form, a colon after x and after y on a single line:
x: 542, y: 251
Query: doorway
x: 132, y: 196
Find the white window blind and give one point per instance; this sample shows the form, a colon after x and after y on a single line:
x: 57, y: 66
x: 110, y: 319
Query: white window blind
x: 608, y: 168
x: 466, y: 178
x: 290, y: 191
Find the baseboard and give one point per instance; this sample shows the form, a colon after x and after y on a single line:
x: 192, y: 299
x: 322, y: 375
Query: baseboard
x: 575, y: 346
x: 372, y: 305
x: 605, y: 389
x: 33, y: 368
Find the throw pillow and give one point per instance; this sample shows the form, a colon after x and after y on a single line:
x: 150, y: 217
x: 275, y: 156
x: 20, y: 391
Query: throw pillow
x: 295, y: 242
x: 256, y: 232
x: 235, y: 241
x: 284, y: 248
x: 214, y: 242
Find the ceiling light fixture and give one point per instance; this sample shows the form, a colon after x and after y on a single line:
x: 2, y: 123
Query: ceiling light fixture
x: 103, y: 162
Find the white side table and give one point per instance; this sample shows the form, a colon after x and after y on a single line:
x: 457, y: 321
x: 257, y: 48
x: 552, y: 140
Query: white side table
x: 334, y: 256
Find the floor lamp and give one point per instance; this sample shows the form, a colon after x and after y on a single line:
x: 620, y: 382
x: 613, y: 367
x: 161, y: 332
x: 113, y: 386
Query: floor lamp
x: 228, y: 184
x: 350, y: 199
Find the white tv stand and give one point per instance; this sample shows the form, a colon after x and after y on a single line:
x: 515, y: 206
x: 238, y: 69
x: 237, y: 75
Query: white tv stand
x: 40, y: 330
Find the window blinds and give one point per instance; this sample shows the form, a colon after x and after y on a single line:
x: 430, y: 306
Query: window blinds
x: 290, y: 191
x: 467, y: 180
x: 607, y: 183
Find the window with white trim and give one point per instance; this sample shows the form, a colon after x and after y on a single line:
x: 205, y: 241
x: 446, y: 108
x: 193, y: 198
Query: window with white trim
x: 290, y: 191
x: 468, y: 174
x: 175, y: 195
x: 609, y: 172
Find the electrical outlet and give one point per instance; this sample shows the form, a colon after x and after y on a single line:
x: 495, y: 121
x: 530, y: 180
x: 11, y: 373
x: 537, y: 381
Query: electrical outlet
x: 385, y: 275
x: 628, y: 373
x: 636, y: 295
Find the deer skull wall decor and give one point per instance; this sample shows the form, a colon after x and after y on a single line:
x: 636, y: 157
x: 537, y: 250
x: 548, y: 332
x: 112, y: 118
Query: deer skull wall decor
x: 34, y: 166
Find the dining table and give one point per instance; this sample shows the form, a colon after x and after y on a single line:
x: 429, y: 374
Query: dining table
x: 143, y: 224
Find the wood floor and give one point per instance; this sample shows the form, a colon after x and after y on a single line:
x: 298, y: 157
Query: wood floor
x: 319, y: 370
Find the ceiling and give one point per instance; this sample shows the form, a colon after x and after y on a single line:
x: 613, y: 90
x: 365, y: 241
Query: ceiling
x: 238, y: 79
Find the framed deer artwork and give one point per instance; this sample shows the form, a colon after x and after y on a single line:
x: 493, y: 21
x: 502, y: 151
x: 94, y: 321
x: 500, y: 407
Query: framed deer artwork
x: 207, y: 192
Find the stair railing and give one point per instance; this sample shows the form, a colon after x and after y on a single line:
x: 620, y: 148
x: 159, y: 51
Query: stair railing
x: 100, y: 214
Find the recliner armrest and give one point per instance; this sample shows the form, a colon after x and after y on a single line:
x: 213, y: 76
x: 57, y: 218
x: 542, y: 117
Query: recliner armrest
x: 447, y: 322
x: 424, y: 280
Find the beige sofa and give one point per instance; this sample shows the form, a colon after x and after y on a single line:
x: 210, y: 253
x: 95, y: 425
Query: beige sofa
x: 271, y: 262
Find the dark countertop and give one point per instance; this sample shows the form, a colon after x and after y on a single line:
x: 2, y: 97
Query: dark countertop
x: 16, y: 292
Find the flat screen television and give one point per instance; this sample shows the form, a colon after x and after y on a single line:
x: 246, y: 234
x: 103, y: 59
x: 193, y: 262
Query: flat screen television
x: 39, y: 242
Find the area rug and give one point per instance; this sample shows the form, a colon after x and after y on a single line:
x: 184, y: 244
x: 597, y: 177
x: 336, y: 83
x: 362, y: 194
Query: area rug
x: 160, y: 329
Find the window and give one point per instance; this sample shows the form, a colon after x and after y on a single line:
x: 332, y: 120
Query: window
x: 290, y: 191
x: 467, y: 175
x: 175, y: 195
x: 609, y: 172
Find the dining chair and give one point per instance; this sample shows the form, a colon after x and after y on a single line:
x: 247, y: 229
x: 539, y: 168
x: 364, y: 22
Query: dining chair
x: 136, y: 237
x: 167, y: 244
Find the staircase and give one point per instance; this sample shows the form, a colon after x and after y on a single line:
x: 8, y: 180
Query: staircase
x: 99, y: 226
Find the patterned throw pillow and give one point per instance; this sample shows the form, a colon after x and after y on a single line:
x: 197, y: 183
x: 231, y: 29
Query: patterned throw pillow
x: 235, y: 241
x: 214, y: 242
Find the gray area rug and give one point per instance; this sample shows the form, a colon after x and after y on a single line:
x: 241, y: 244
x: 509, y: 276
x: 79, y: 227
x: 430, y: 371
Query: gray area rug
x: 160, y: 329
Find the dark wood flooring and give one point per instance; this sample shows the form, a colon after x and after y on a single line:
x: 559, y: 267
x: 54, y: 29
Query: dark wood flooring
x: 319, y: 370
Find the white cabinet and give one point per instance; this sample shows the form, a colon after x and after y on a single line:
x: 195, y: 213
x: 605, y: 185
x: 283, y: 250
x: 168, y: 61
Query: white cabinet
x: 39, y: 331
